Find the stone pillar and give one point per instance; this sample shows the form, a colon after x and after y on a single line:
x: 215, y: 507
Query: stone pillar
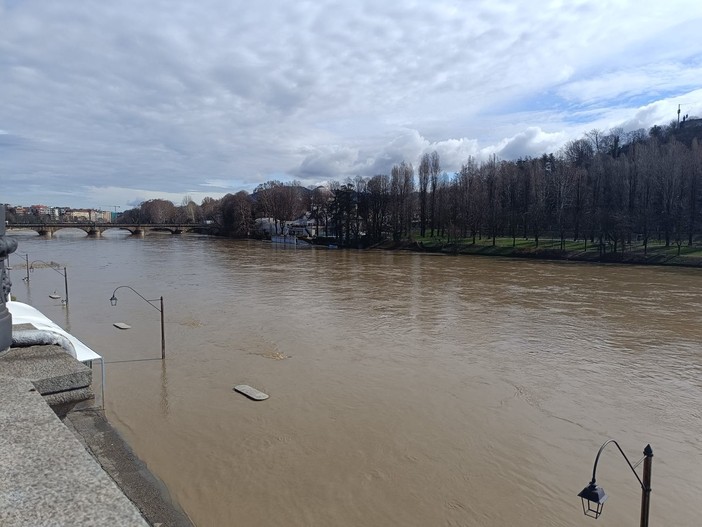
x: 7, y: 246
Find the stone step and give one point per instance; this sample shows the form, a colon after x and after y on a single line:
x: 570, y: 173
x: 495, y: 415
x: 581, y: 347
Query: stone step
x: 56, y: 375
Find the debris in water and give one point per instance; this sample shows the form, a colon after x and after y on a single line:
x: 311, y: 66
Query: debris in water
x: 251, y: 393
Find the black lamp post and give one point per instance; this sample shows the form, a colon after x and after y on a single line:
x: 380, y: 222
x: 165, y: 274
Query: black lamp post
x: 113, y: 301
x: 53, y: 268
x: 26, y: 262
x: 593, y: 496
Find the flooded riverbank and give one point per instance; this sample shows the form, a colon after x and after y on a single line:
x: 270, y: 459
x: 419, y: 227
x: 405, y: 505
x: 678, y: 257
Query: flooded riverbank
x: 405, y: 388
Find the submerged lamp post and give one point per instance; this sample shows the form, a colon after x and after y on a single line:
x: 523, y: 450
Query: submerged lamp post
x: 26, y: 263
x: 63, y: 273
x: 593, y: 496
x: 113, y: 301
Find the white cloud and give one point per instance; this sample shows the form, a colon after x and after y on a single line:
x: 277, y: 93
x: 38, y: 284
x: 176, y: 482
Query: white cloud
x: 532, y: 142
x: 655, y: 79
x: 166, y: 98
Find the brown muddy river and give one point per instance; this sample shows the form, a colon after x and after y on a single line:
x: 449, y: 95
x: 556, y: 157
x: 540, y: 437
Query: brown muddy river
x: 405, y: 389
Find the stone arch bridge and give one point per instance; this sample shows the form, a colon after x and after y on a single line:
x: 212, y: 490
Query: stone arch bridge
x: 96, y: 228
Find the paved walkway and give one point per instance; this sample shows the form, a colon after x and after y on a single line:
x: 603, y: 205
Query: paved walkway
x: 78, y: 471
x: 47, y: 478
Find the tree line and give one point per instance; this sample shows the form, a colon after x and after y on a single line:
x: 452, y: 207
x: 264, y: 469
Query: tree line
x: 608, y: 188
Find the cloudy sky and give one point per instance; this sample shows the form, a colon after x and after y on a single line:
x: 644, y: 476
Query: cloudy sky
x: 107, y: 104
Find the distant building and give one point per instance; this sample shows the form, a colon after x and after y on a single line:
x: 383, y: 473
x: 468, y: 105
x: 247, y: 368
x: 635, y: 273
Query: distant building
x: 78, y: 215
x: 58, y: 213
x: 690, y: 122
x: 303, y: 226
x: 103, y: 216
x: 40, y: 210
x: 265, y: 226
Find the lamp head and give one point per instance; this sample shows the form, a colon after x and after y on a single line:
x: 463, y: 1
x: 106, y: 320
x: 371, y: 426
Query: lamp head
x: 593, y: 497
x: 113, y: 300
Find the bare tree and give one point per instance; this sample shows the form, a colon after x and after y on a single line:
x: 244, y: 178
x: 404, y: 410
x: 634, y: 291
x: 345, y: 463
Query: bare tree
x: 490, y: 181
x: 190, y: 209
x: 563, y: 178
x: 158, y: 211
x: 378, y: 203
x: 264, y: 194
x: 435, y: 170
x: 237, y: 214
x: 510, y: 188
x: 402, y: 186
x: 408, y: 196
x: 694, y: 176
x: 647, y: 164
x: 424, y: 170
x: 464, y: 186
x: 210, y: 210
x: 595, y: 137
x: 279, y: 201
x: 320, y: 200
x: 537, y: 212
x: 669, y: 189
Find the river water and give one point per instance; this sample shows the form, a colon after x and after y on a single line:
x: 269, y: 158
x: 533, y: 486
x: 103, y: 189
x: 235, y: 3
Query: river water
x: 405, y: 389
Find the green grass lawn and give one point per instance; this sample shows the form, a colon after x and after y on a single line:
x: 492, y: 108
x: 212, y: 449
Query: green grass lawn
x: 656, y: 249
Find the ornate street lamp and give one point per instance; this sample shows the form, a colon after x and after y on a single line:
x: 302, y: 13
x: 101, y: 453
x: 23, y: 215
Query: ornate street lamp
x: 53, y: 268
x: 113, y: 301
x: 593, y: 496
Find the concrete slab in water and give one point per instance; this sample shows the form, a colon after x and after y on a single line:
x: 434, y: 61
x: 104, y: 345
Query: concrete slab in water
x: 251, y: 393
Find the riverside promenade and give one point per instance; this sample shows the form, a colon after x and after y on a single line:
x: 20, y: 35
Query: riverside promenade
x: 61, y: 463
x: 47, y: 478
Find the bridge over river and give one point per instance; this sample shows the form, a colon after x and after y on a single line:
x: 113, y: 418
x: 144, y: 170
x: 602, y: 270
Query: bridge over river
x: 97, y: 228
